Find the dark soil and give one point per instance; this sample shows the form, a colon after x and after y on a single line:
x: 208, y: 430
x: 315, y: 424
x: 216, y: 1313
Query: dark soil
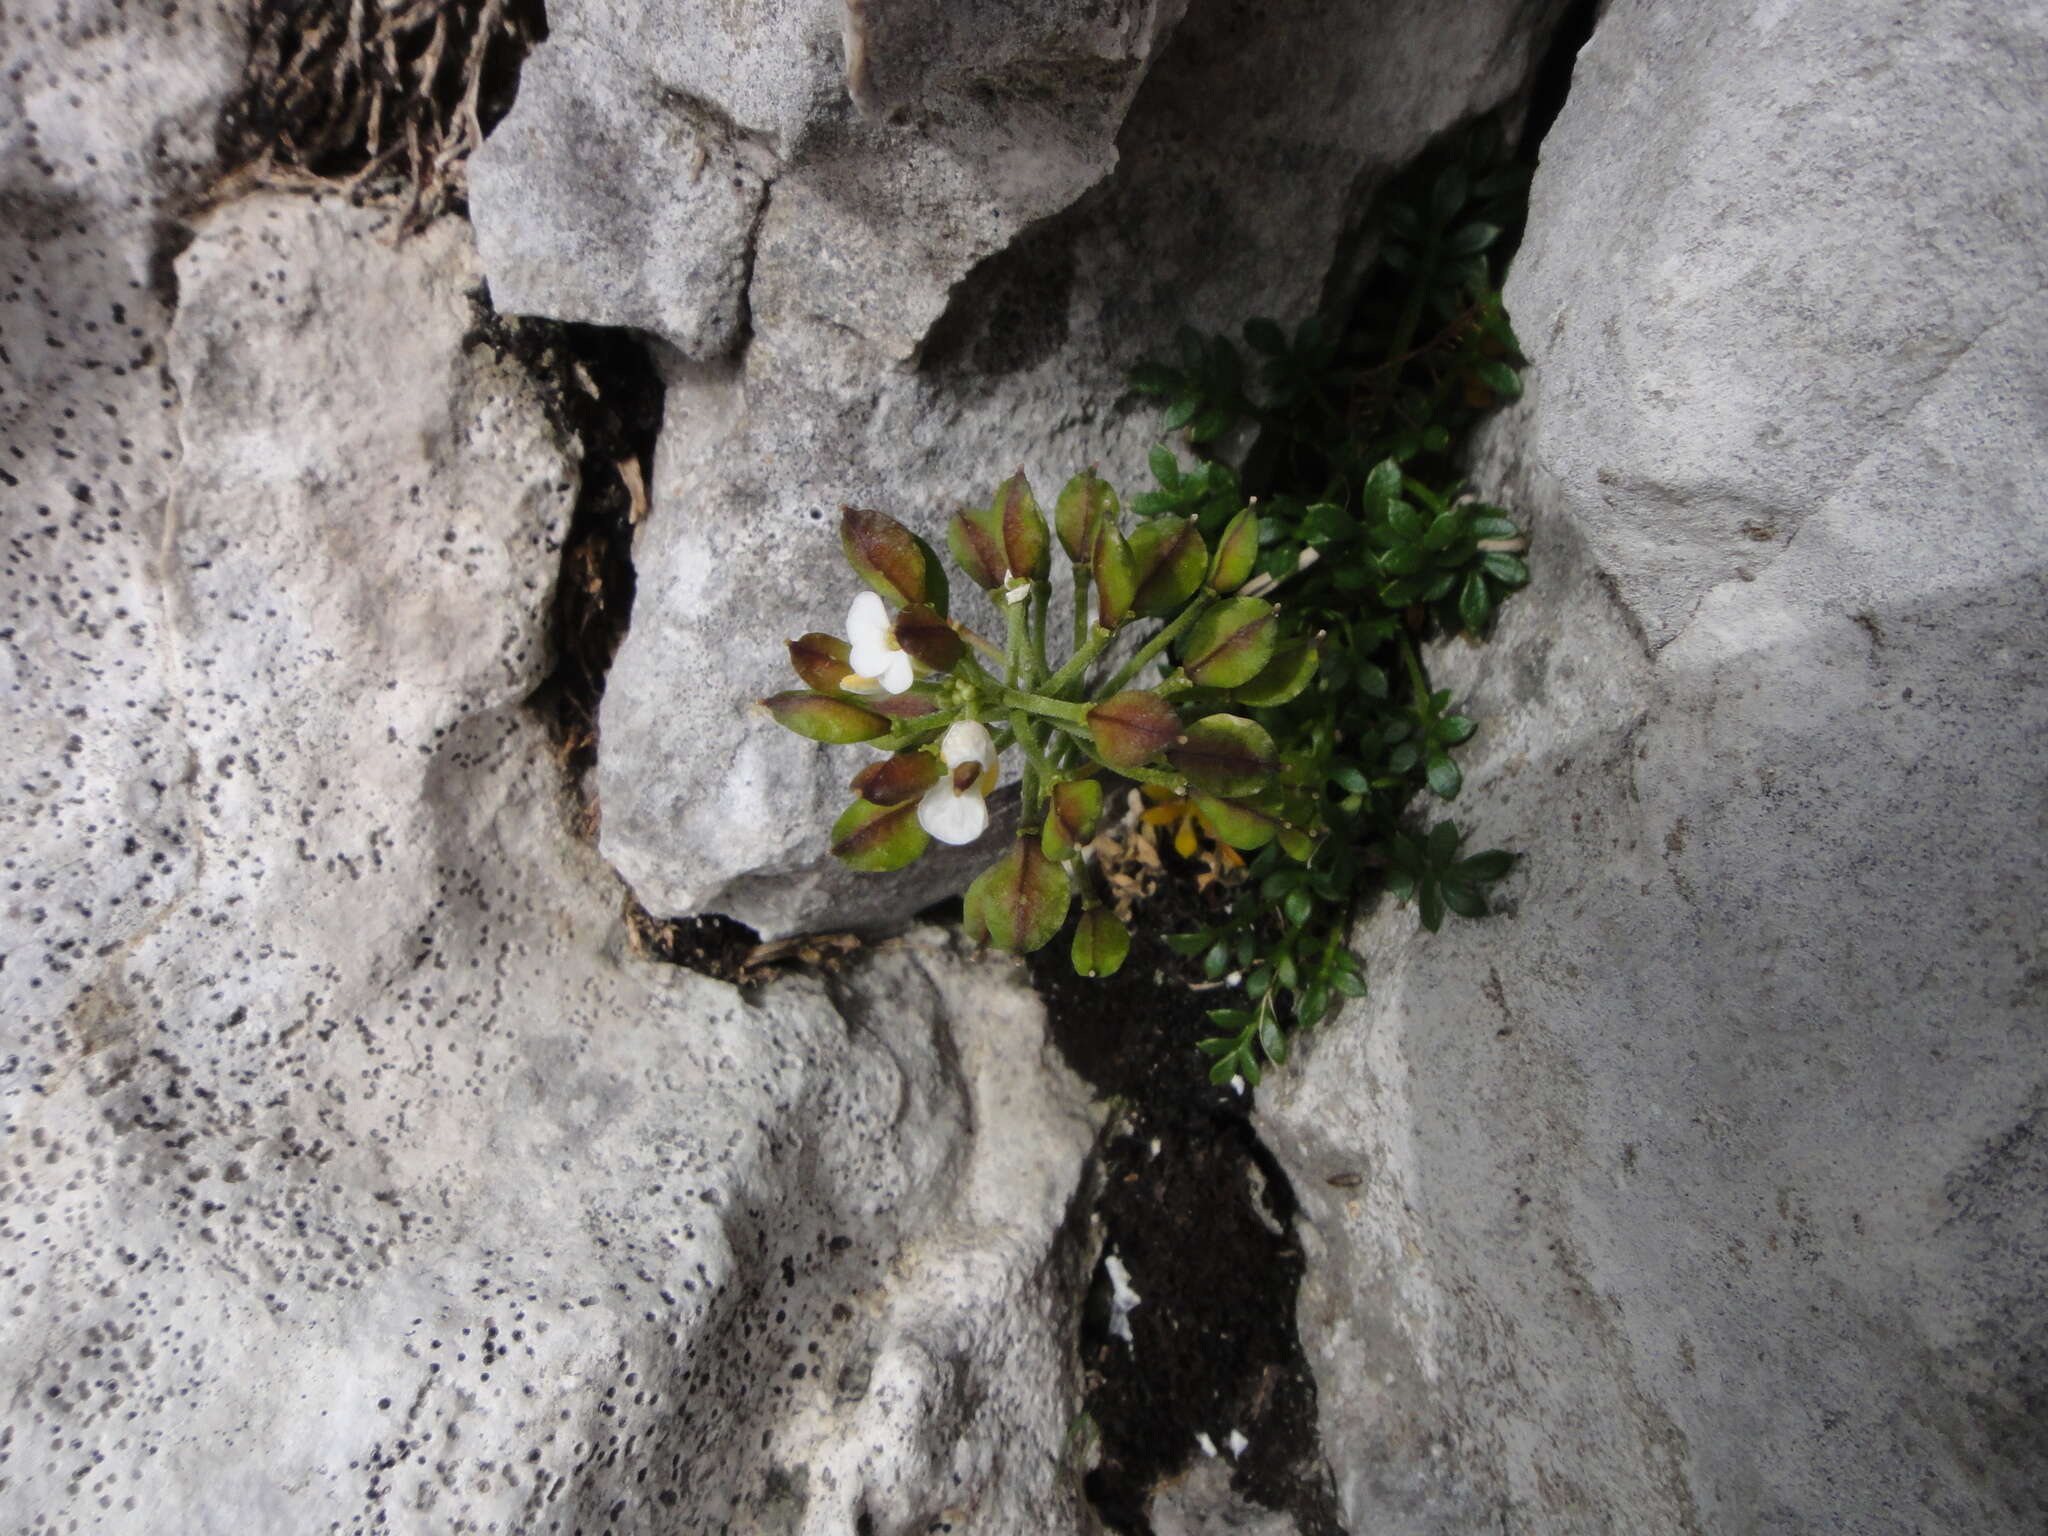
x: 1190, y: 1202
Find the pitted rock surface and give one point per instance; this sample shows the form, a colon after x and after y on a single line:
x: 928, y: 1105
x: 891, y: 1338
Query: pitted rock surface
x: 374, y: 1183
x: 1702, y: 1188
x: 1244, y: 156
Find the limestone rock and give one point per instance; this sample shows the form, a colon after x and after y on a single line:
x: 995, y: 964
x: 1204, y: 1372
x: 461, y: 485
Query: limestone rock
x: 371, y: 1179
x: 1701, y: 1187
x: 1237, y: 167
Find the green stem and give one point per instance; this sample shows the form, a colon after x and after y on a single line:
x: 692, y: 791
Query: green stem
x: 1197, y: 606
x: 911, y: 732
x: 1082, y: 576
x: 1077, y: 664
x: 1034, y: 753
x: 1039, y: 704
x: 1040, y: 605
x: 1013, y: 654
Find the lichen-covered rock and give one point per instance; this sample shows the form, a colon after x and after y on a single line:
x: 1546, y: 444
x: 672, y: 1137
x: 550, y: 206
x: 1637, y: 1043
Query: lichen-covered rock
x: 371, y: 1181
x: 1254, y: 138
x: 1702, y: 1188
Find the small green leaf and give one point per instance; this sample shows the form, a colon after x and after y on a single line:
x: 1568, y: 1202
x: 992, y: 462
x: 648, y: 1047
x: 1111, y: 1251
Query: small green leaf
x: 1506, y: 569
x: 1444, y: 838
x: 1155, y: 379
x: 1444, y: 776
x: 1471, y: 240
x: 1501, y: 379
x: 1464, y: 900
x: 1264, y: 336
x: 1273, y: 1040
x: 1165, y: 467
x: 1474, y: 603
x: 1182, y: 412
x: 1298, y: 906
x: 1210, y: 425
x: 1453, y: 729
x: 1432, y: 905
x: 1490, y: 865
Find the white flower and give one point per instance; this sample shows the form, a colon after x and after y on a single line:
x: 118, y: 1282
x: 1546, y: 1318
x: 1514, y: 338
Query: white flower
x: 955, y: 810
x: 872, y: 650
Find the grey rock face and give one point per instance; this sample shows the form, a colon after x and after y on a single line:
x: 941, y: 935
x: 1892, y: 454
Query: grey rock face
x: 1702, y: 1188
x: 368, y: 1178
x: 924, y: 320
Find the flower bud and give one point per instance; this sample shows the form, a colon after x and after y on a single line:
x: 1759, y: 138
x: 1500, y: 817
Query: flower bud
x: 891, y: 559
x: 824, y: 718
x: 1133, y: 727
x: 1074, y: 808
x: 1236, y: 551
x: 1170, y: 560
x: 1085, y: 505
x: 1226, y: 755
x: 1231, y: 643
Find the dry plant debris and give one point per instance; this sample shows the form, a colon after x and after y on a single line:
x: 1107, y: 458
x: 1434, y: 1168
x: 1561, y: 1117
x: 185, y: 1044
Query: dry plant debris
x: 381, y: 98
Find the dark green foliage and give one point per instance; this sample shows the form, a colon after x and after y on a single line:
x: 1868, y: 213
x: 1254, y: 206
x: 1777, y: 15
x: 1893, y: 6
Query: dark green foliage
x: 1360, y: 428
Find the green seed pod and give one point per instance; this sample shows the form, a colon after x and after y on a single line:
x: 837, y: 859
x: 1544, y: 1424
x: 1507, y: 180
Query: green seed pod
x: 927, y: 638
x: 1133, y: 727
x: 895, y: 780
x: 1231, y: 643
x: 1085, y: 505
x: 1243, y: 827
x: 1226, y: 755
x: 1236, y: 551
x: 891, y: 559
x: 820, y: 661
x: 1116, y: 577
x: 977, y: 544
x: 878, y: 838
x: 1100, y: 943
x: 1071, y: 816
x: 824, y: 718
x: 1027, y: 546
x: 1170, y: 560
x: 1024, y: 901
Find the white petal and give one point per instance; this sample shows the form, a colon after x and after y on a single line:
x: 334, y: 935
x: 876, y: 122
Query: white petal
x: 867, y: 620
x: 897, y: 675
x: 951, y: 818
x: 967, y: 741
